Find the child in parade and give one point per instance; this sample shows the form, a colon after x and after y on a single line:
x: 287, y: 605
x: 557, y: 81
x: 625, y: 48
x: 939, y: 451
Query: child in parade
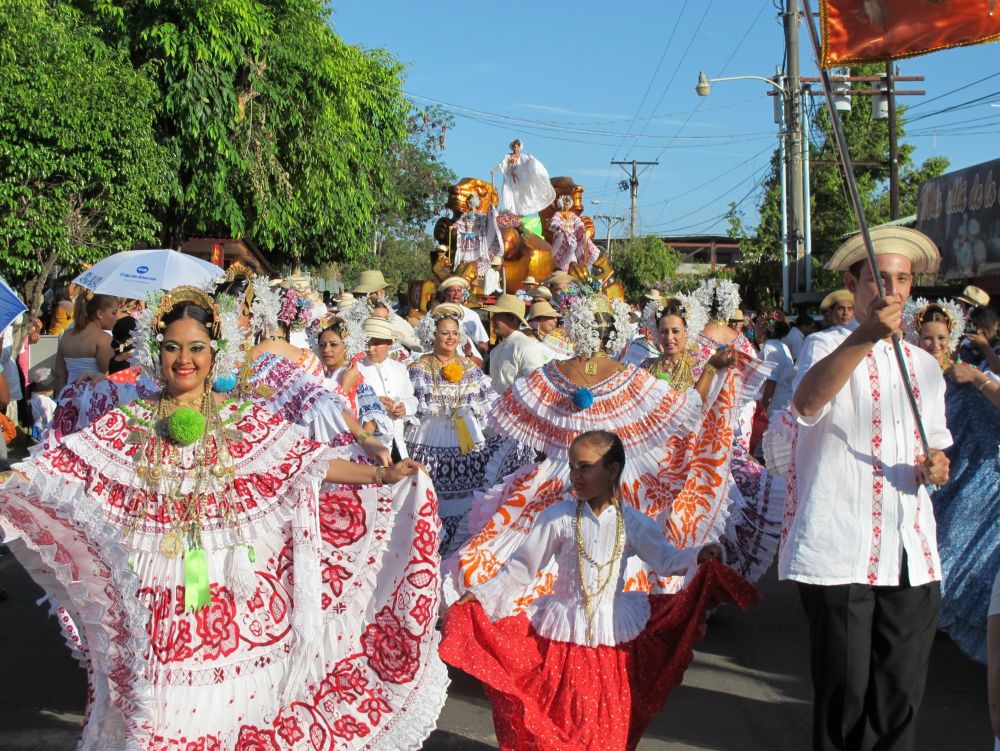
x: 588, y: 665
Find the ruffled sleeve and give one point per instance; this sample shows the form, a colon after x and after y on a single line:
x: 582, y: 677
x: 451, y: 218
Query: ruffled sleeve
x: 646, y: 541
x: 499, y: 594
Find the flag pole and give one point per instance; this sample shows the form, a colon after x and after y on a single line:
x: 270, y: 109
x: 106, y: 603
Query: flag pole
x: 855, y: 198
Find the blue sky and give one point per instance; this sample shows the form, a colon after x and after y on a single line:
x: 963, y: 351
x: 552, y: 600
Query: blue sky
x: 588, y: 82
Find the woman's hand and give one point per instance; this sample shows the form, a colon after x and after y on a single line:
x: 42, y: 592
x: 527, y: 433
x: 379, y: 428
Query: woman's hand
x: 963, y: 373
x: 711, y: 552
x: 377, y: 451
x: 467, y: 597
x: 978, y: 341
x: 724, y: 357
x: 402, y: 469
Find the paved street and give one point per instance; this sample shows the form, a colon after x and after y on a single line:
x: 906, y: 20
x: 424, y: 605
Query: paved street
x: 747, y: 690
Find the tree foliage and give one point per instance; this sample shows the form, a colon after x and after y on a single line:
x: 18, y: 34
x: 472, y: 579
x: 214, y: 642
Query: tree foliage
x: 643, y: 263
x: 81, y: 174
x: 279, y: 130
x: 831, y: 215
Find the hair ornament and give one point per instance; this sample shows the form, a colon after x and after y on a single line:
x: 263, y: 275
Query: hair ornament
x: 719, y: 297
x: 914, y: 315
x: 583, y: 330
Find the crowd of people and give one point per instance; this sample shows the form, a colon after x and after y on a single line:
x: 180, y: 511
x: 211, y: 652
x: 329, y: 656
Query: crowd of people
x: 266, y: 518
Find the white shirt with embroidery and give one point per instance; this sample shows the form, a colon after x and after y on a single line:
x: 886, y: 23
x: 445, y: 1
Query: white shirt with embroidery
x: 391, y: 379
x: 853, y: 503
x: 617, y: 616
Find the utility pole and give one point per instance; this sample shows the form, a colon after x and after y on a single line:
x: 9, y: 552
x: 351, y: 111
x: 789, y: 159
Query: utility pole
x: 793, y: 147
x: 610, y: 220
x: 633, y: 183
x: 890, y: 94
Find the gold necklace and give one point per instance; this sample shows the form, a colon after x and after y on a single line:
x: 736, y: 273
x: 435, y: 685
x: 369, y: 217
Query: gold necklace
x: 161, y: 468
x: 678, y: 374
x: 603, y: 579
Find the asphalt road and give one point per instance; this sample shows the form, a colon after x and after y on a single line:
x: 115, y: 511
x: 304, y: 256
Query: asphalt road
x: 747, y: 690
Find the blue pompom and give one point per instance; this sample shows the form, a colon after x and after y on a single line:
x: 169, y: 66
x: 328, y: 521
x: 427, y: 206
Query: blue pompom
x: 583, y: 398
x: 224, y: 383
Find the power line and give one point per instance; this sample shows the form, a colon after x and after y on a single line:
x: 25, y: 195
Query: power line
x: 954, y: 91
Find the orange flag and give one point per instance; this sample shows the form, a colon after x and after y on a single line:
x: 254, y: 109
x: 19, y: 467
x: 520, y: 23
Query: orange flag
x: 857, y: 31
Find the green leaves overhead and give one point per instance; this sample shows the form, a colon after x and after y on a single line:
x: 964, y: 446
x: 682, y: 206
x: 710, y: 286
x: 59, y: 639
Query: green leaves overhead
x: 81, y: 172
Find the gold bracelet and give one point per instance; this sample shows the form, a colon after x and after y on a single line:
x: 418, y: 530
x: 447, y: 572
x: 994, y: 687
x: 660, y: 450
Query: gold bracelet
x: 379, y: 478
x: 363, y: 436
x: 985, y: 383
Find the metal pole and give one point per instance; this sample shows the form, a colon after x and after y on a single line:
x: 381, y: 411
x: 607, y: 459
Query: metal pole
x: 794, y: 149
x: 785, y: 287
x: 855, y: 197
x: 635, y: 199
x: 807, y: 193
x: 607, y: 245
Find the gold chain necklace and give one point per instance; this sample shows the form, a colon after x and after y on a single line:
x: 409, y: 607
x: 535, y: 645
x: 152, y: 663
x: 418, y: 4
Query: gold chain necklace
x: 605, y: 571
x: 679, y: 374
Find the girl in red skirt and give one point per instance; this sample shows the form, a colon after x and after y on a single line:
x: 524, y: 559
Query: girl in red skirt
x: 587, y: 665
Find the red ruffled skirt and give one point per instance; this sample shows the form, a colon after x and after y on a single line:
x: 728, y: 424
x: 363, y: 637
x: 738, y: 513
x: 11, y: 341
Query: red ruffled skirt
x: 559, y: 696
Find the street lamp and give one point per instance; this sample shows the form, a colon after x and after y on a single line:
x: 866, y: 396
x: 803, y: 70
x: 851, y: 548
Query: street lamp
x: 704, y: 88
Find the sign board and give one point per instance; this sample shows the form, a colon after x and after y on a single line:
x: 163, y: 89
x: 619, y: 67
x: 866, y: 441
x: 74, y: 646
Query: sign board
x: 960, y: 211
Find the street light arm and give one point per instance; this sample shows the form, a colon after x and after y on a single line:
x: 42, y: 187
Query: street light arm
x: 704, y: 82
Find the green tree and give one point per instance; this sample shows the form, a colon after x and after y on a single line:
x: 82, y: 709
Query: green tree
x: 280, y: 131
x: 81, y: 175
x: 643, y: 263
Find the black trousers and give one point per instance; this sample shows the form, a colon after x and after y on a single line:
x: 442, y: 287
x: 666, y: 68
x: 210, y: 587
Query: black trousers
x: 869, y: 652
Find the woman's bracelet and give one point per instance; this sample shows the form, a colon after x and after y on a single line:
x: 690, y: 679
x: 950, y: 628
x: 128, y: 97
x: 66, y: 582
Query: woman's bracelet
x: 363, y: 436
x: 379, y: 478
x: 986, y: 382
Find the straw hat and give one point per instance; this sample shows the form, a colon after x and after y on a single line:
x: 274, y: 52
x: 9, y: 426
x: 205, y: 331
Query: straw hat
x: 653, y: 294
x: 344, y: 302
x: 903, y: 241
x: 452, y: 281
x: 529, y: 280
x: 839, y: 295
x: 498, y: 261
x: 559, y: 277
x: 737, y: 316
x: 508, y: 304
x: 541, y: 291
x: 378, y: 328
x: 973, y: 296
x: 370, y: 281
x: 542, y: 309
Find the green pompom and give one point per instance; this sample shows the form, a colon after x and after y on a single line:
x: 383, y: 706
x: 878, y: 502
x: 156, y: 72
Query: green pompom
x: 186, y: 425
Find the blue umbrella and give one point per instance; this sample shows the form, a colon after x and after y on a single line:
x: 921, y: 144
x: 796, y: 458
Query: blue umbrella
x: 10, y: 305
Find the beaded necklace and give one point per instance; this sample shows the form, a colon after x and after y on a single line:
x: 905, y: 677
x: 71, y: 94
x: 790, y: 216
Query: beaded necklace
x: 605, y: 571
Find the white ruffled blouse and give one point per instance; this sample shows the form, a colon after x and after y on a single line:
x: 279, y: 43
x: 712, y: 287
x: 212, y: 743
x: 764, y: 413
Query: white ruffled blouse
x: 618, y: 616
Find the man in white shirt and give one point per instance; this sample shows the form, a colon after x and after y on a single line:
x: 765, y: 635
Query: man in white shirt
x: 390, y: 381
x: 859, y: 532
x: 777, y: 395
x: 838, y: 307
x: 453, y: 290
x: 804, y: 325
x: 517, y: 354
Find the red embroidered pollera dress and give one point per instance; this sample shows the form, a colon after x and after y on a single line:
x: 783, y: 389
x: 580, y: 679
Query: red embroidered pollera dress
x: 335, y: 646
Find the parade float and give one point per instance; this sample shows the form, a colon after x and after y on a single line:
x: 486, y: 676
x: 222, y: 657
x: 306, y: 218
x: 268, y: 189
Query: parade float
x: 495, y: 250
